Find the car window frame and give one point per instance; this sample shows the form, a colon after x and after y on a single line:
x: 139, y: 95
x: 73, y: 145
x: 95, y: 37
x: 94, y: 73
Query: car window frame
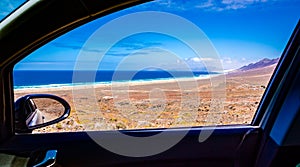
x: 26, y: 51
x: 275, y: 86
x: 18, y: 23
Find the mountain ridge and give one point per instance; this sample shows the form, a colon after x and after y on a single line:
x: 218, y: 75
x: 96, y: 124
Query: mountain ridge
x: 260, y: 64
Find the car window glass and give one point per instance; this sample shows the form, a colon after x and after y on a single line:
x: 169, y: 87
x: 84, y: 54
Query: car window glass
x: 8, y: 6
x: 162, y: 64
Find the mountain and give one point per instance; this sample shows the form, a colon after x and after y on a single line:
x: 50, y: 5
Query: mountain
x: 260, y: 64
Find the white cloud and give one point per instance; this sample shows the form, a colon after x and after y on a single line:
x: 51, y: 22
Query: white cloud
x: 230, y: 63
x: 199, y: 59
x: 196, y: 59
x: 164, y: 2
x: 226, y: 60
x: 207, y: 4
x: 228, y: 4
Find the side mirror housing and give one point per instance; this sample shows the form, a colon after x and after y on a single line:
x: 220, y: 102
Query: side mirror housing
x: 35, y: 111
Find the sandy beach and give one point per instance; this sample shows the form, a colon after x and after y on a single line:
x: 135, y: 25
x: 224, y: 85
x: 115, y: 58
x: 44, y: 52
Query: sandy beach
x: 161, y: 103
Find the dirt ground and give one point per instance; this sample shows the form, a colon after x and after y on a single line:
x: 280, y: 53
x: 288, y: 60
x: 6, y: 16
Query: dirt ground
x: 160, y: 104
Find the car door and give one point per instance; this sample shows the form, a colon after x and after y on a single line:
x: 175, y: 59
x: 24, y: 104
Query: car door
x: 271, y: 139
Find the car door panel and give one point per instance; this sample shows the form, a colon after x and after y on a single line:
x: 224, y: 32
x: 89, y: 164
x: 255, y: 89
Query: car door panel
x: 223, y: 147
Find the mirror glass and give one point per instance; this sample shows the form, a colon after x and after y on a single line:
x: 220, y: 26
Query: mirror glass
x: 35, y: 111
x: 46, y: 110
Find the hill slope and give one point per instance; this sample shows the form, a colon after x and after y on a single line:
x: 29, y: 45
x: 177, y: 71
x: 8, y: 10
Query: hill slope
x: 260, y: 64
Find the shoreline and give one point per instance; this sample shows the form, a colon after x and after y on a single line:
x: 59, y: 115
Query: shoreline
x: 72, y: 86
x: 159, y: 103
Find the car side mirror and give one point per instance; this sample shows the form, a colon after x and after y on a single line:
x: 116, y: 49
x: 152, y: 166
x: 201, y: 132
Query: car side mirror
x: 35, y: 111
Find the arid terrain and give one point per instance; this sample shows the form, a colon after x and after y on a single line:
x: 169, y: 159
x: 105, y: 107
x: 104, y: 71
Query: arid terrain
x: 161, y: 104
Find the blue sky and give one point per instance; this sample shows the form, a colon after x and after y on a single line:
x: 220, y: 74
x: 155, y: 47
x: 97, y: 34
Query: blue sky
x: 242, y: 31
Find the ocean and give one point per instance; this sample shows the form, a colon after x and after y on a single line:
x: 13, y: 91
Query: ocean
x: 35, y: 78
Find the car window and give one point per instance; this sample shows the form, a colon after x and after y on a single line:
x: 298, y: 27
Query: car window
x: 8, y: 6
x: 162, y: 64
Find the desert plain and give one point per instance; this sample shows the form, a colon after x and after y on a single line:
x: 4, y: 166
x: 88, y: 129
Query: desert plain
x: 159, y: 104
